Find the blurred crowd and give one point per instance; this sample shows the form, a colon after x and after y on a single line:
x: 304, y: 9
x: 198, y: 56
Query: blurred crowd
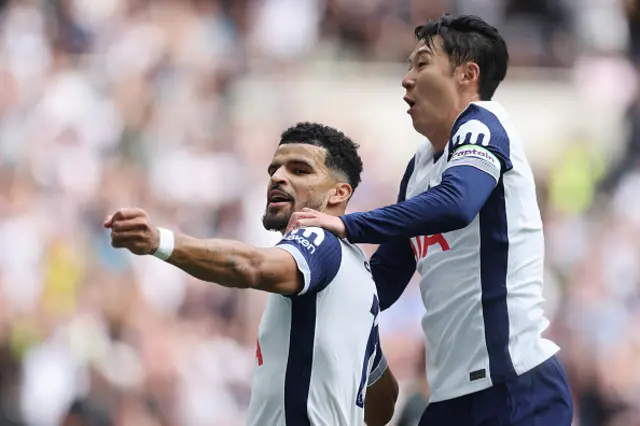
x: 117, y: 103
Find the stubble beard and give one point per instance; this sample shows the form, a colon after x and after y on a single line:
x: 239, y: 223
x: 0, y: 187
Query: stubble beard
x: 279, y: 221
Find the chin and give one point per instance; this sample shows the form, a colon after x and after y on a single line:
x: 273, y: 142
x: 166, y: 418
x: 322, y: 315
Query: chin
x: 419, y: 127
x: 275, y: 222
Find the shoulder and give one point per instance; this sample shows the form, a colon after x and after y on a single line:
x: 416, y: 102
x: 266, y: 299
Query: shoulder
x: 318, y: 254
x: 482, y: 125
x: 478, y: 124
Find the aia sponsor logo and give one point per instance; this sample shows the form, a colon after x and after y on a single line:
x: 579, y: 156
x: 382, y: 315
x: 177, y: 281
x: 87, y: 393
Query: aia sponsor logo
x: 259, y: 354
x: 420, y: 245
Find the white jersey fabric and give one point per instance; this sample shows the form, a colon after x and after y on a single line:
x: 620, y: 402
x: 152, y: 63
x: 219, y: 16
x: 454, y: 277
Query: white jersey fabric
x: 316, y: 349
x: 482, y: 285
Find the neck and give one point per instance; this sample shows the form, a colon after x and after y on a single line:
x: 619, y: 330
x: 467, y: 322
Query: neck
x: 337, y: 210
x: 439, y: 136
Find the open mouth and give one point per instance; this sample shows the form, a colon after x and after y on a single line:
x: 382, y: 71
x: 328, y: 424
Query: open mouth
x: 410, y: 102
x: 278, y: 198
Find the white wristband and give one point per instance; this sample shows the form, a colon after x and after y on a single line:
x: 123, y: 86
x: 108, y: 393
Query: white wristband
x: 167, y: 242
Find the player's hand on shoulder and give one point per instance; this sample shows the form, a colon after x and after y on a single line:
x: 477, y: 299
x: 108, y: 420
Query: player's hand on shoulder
x: 131, y: 229
x: 308, y: 218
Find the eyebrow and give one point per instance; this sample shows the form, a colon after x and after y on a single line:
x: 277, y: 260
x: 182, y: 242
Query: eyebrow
x: 300, y: 162
x: 423, y: 50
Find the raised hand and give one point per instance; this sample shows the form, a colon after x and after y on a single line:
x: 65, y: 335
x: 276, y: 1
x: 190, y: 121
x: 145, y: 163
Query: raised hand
x: 131, y: 229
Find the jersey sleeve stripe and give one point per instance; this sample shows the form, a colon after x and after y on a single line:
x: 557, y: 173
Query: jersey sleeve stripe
x: 479, y: 164
x: 478, y: 157
x: 303, y: 266
x: 377, y: 373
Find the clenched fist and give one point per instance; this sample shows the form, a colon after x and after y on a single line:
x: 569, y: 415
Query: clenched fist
x: 132, y: 229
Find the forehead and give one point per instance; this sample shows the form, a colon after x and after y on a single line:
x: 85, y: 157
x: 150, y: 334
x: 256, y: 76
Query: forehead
x: 432, y: 50
x: 311, y: 154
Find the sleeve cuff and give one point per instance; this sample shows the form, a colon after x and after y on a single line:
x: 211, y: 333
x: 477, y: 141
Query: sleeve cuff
x: 303, y: 266
x: 377, y: 373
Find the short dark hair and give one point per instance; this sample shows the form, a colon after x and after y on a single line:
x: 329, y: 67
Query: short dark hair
x: 469, y: 38
x: 342, y: 152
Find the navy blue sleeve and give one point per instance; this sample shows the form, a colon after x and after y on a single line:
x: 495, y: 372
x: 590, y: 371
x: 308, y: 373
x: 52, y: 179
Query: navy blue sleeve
x: 392, y: 266
x: 317, y: 253
x: 393, y: 263
x: 451, y: 205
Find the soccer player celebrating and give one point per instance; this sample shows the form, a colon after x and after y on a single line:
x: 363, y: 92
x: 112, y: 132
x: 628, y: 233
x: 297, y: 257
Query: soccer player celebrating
x: 467, y: 218
x: 318, y: 353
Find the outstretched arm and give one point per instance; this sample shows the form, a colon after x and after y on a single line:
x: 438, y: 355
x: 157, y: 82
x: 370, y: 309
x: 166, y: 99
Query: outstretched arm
x: 235, y: 264
x: 451, y: 205
x: 225, y: 262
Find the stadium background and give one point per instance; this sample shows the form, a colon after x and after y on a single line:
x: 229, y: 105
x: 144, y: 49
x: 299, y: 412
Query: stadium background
x: 176, y: 106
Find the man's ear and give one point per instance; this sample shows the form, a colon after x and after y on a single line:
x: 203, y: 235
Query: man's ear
x: 469, y: 74
x: 340, y: 194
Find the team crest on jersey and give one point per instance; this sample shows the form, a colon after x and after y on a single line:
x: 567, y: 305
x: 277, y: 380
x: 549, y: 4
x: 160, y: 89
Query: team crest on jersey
x: 420, y: 245
x: 309, y: 238
x: 472, y: 132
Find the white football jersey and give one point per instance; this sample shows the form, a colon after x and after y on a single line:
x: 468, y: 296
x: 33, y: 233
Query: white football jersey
x: 482, y: 285
x: 316, y: 350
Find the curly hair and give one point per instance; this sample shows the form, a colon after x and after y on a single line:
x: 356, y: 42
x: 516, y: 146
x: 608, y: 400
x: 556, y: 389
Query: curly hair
x: 468, y: 38
x: 342, y: 152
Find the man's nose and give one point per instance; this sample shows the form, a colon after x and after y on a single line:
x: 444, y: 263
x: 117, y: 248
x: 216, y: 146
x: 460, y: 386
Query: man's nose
x: 279, y: 176
x: 408, y: 82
